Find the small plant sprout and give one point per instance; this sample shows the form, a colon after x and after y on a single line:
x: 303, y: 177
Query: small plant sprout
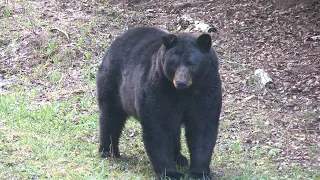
x: 28, y: 24
x: 87, y: 56
x: 51, y: 47
x: 80, y: 42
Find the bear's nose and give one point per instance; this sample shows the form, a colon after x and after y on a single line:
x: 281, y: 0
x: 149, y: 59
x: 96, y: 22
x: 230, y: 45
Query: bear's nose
x: 181, y: 84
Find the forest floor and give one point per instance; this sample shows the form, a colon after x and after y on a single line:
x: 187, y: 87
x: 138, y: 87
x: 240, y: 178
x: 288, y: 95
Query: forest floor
x: 50, y: 51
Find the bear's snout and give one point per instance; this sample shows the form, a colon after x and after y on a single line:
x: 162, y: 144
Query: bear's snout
x: 182, y: 78
x: 181, y: 84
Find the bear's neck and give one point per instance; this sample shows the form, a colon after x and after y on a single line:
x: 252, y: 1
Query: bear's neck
x: 156, y: 69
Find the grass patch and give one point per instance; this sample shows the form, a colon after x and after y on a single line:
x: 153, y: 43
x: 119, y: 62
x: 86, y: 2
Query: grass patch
x: 59, y: 140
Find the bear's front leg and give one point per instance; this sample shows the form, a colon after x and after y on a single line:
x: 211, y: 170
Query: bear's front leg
x: 159, y: 141
x: 202, y: 124
x: 201, y: 141
x: 161, y: 134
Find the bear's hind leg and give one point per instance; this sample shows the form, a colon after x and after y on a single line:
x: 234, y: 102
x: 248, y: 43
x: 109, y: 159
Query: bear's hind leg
x: 180, y: 159
x: 111, y: 122
x: 111, y: 115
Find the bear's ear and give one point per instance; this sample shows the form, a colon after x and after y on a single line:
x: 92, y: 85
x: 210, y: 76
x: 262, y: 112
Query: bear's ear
x: 169, y: 40
x: 204, y: 41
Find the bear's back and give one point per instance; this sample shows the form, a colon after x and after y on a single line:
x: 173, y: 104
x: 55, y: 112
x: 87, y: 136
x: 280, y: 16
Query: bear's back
x: 137, y: 44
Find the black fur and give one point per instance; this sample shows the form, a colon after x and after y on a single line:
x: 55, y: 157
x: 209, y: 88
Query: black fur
x: 163, y: 80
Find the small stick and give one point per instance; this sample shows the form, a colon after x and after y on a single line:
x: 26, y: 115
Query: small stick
x: 189, y: 4
x: 63, y: 32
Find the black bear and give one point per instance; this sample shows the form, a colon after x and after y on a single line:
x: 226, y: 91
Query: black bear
x: 164, y: 81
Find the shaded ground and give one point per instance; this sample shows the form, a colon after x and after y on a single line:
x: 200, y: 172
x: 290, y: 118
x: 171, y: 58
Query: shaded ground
x: 54, y: 38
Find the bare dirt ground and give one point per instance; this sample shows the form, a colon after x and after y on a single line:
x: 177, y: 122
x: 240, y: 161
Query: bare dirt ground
x: 284, y: 116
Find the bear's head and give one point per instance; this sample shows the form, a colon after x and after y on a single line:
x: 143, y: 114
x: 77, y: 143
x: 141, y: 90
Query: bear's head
x: 186, y: 58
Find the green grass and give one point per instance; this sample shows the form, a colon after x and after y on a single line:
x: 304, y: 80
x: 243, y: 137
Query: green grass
x: 58, y: 140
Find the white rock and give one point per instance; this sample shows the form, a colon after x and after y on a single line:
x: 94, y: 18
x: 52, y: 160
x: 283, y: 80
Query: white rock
x: 262, y: 77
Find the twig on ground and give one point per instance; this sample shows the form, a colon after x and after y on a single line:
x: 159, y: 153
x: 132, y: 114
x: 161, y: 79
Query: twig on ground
x: 63, y: 32
x: 189, y: 4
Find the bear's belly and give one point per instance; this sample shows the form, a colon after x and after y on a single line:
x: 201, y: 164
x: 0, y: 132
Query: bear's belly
x: 127, y: 96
